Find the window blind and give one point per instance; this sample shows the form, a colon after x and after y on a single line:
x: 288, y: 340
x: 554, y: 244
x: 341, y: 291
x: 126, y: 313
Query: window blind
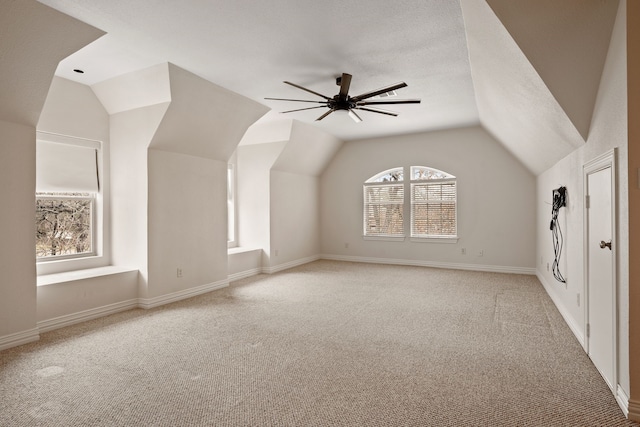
x: 383, y: 210
x: 433, y: 206
x: 66, y: 164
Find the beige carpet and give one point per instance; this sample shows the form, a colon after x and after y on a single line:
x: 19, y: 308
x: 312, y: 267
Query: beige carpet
x: 327, y: 343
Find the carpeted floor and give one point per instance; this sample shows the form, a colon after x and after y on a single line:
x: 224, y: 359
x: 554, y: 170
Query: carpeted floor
x: 327, y: 343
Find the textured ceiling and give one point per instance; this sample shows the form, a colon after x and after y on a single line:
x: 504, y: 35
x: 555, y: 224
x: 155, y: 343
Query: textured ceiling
x: 528, y: 70
x: 251, y: 47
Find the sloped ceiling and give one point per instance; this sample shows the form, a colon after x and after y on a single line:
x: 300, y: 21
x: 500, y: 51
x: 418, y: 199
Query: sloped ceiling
x: 33, y: 39
x: 527, y: 70
x: 519, y: 104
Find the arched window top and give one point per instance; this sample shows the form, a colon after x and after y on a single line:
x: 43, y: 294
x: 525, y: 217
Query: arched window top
x: 421, y: 173
x: 390, y: 175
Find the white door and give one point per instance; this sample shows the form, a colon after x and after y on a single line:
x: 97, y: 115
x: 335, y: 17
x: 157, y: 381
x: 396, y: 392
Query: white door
x: 601, y: 292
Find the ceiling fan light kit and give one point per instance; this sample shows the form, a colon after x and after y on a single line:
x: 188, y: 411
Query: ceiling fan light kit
x: 342, y: 101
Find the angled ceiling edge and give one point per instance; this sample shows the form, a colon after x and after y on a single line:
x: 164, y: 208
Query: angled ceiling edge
x: 204, y: 119
x: 514, y: 103
x: 34, y: 39
x: 567, y: 43
x: 308, y: 151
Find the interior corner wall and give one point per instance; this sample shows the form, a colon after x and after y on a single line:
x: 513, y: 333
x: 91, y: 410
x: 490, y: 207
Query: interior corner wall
x: 294, y: 218
x: 17, y: 253
x: 131, y: 132
x: 187, y: 221
x: 254, y: 164
x: 608, y: 131
x: 496, y: 200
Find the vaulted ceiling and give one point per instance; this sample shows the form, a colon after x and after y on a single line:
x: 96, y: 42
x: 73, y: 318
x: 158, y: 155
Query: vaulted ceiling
x: 526, y: 70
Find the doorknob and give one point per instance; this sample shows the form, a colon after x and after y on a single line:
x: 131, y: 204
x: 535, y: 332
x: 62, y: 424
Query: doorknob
x: 604, y: 244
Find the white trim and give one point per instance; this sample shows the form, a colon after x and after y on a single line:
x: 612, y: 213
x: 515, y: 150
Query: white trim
x: 85, y: 315
x: 244, y: 274
x: 602, y: 162
x: 433, y: 264
x: 19, y: 338
x: 148, y: 303
x: 290, y: 264
x: 385, y: 238
x: 623, y: 400
x: 445, y: 239
x: 562, y: 309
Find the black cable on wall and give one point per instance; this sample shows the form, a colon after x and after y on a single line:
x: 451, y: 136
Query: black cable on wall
x: 559, y: 201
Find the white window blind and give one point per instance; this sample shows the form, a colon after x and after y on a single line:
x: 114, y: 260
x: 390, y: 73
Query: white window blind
x: 383, y: 210
x: 433, y: 209
x: 66, y: 164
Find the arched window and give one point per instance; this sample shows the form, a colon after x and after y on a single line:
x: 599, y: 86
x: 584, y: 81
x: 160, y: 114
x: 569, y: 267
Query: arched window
x: 433, y: 203
x: 384, y: 203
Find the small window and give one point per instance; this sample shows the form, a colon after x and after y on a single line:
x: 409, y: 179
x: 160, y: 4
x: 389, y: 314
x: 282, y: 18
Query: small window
x: 64, y: 225
x: 231, y: 206
x: 383, y: 204
x: 433, y: 203
x: 67, y: 189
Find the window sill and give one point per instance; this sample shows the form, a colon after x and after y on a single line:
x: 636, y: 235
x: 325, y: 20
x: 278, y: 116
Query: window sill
x: 452, y: 239
x: 70, y: 276
x: 385, y: 238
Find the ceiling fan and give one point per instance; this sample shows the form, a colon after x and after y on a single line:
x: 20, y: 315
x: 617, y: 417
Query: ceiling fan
x: 342, y: 101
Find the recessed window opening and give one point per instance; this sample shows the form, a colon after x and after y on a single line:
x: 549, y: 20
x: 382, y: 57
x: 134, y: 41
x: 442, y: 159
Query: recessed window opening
x: 383, y: 204
x: 67, y: 190
x: 433, y: 203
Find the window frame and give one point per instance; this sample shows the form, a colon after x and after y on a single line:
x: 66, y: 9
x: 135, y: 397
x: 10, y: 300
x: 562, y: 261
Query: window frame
x: 377, y: 181
x: 443, y: 178
x: 432, y: 176
x: 100, y: 256
x: 92, y: 198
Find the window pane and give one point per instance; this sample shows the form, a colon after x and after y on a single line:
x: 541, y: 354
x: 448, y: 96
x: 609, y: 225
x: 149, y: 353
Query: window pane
x: 63, y: 226
x: 433, y: 208
x: 383, y: 210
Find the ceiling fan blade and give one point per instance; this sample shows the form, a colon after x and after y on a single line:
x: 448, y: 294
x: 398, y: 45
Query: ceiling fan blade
x: 296, y: 100
x: 345, y: 82
x: 391, y: 101
x: 302, y: 109
x: 356, y: 118
x: 379, y: 91
x: 325, y: 115
x: 308, y: 90
x: 377, y: 110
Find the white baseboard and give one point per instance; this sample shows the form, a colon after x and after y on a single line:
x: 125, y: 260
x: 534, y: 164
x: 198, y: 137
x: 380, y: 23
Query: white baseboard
x: 623, y: 401
x: 290, y: 264
x: 19, y: 338
x: 433, y: 264
x: 83, y: 316
x: 148, y: 303
x: 244, y: 274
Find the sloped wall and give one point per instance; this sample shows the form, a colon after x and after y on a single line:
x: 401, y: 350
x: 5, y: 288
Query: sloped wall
x: 608, y: 131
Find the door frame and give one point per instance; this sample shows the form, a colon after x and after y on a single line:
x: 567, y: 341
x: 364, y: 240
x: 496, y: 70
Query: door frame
x: 603, y: 161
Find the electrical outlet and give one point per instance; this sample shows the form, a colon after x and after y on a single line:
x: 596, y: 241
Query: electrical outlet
x: 275, y: 252
x: 463, y: 251
x: 178, y: 272
x: 547, y: 266
x: 346, y: 245
x: 481, y: 252
x: 578, y: 298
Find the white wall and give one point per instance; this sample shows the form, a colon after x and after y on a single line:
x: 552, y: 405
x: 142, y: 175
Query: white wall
x: 608, y: 130
x: 187, y: 221
x: 17, y: 252
x: 496, y: 200
x: 253, y: 188
x: 295, y: 217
